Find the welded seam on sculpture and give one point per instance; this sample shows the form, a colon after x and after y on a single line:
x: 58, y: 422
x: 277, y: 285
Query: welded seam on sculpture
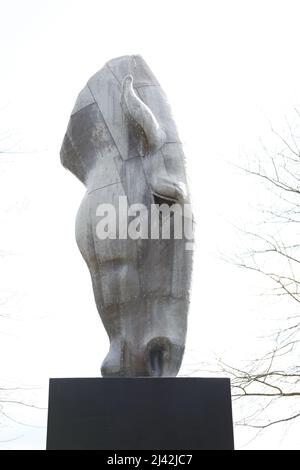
x: 134, y: 298
x: 109, y: 130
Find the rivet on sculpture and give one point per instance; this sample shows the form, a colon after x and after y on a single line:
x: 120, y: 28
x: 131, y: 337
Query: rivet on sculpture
x: 122, y: 143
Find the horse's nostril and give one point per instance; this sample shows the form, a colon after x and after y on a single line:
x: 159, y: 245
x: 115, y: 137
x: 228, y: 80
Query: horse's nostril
x: 160, y: 199
x: 158, y: 352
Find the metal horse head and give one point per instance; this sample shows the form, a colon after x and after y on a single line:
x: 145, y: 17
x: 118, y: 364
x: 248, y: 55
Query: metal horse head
x: 122, y: 142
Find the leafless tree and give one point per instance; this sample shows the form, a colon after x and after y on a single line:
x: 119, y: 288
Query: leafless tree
x: 12, y: 398
x: 271, y: 383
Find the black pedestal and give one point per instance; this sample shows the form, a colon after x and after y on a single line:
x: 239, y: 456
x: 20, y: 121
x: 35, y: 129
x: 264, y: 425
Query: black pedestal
x: 142, y: 413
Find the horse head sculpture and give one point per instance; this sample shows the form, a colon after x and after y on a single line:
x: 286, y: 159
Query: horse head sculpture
x: 122, y: 143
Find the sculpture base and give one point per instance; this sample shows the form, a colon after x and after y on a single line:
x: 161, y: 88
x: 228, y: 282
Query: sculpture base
x: 140, y: 413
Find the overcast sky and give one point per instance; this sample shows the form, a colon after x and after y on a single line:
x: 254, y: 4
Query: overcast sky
x: 228, y: 68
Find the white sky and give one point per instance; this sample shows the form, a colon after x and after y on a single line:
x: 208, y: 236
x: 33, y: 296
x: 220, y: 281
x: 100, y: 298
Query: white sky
x: 227, y: 68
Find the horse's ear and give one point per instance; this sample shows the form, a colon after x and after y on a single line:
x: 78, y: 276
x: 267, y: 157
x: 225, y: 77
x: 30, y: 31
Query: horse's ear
x: 137, y: 110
